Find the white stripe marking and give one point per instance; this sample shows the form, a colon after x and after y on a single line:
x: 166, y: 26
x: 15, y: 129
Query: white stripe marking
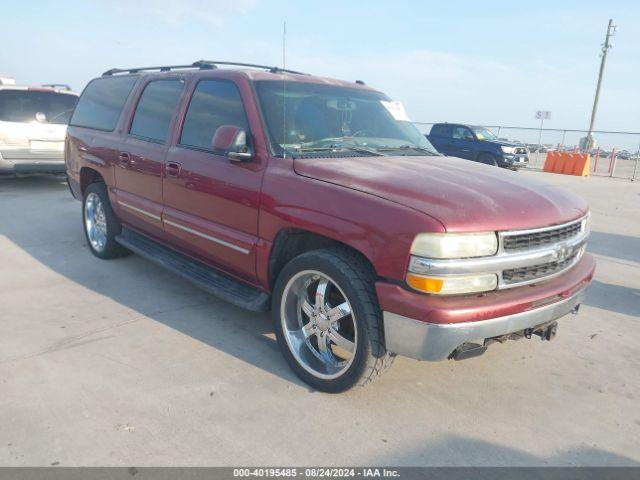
x: 208, y: 237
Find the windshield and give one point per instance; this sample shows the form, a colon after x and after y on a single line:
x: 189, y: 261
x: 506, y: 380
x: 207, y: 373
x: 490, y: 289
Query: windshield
x: 484, y: 133
x: 308, y: 119
x: 23, y: 105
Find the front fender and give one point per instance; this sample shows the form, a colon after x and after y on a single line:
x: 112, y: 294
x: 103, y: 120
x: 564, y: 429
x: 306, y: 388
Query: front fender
x: 378, y: 228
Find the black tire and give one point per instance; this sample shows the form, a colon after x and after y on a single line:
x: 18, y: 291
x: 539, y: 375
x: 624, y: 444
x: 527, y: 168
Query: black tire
x: 488, y: 159
x: 112, y: 249
x: 355, y: 277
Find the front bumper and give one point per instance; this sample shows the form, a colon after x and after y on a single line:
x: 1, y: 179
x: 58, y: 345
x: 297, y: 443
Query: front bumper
x: 515, y: 160
x: 431, y: 341
x: 430, y: 327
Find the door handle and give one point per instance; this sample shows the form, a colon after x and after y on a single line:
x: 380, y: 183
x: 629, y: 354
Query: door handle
x: 173, y: 169
x: 124, y: 158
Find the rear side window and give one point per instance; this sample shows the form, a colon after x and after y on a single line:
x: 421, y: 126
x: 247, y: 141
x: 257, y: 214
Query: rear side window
x: 214, y: 103
x: 24, y: 105
x: 155, y: 109
x: 441, y: 130
x: 101, y: 103
x: 436, y: 130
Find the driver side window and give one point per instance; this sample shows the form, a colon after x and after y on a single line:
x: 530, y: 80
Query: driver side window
x: 462, y: 133
x: 214, y: 103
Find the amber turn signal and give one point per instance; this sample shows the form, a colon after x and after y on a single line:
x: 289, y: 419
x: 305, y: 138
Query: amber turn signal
x: 424, y: 284
x: 453, y: 284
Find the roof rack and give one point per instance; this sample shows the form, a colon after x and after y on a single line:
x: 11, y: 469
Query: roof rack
x: 60, y: 86
x: 213, y: 63
x: 200, y: 64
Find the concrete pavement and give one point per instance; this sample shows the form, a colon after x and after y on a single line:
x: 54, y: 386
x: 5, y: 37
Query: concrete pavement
x: 121, y: 363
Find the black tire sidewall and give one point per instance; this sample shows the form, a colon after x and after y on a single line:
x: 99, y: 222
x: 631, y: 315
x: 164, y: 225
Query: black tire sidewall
x: 112, y: 249
x: 331, y: 269
x: 488, y: 159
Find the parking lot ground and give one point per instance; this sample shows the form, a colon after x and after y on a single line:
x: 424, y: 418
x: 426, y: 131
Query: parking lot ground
x: 121, y: 363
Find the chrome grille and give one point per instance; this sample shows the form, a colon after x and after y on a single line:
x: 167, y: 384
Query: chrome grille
x: 526, y: 274
x: 528, y: 241
x: 523, y: 257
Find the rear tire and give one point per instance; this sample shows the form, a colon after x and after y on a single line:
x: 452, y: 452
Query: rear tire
x: 327, y: 320
x: 100, y: 223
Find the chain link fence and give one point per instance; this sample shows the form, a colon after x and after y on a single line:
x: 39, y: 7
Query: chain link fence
x: 616, y: 154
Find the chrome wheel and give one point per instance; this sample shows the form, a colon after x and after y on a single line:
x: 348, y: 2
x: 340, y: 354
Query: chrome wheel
x: 95, y: 222
x: 318, y: 324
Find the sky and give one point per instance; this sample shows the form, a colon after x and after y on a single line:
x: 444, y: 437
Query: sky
x: 481, y: 62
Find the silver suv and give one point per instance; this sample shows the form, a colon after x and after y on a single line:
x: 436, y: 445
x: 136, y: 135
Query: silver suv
x: 33, y: 124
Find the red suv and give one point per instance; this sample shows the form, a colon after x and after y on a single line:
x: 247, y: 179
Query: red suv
x: 320, y: 200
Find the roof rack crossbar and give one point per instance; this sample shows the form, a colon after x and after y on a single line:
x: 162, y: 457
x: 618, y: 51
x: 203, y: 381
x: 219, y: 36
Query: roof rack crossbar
x: 63, y: 86
x: 251, y: 65
x: 161, y: 68
x: 201, y: 64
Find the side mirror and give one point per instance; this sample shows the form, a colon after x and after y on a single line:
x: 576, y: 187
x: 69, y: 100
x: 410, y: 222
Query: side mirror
x: 231, y: 141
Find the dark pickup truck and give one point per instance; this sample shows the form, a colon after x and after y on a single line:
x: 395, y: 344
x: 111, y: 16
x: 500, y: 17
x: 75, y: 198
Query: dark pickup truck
x: 478, y: 144
x: 319, y: 200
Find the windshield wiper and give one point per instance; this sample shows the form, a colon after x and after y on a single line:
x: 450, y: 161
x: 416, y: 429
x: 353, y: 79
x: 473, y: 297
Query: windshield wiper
x: 408, y: 147
x: 374, y: 153
x: 363, y: 149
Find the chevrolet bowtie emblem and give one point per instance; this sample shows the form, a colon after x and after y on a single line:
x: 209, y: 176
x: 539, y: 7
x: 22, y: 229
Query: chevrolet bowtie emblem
x: 561, y: 253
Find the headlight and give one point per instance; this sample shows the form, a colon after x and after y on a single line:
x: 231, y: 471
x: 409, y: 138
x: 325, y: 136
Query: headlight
x: 508, y: 149
x: 455, y: 245
x: 585, y: 225
x: 453, y: 284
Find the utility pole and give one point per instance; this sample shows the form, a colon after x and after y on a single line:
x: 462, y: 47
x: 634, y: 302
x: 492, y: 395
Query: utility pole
x: 611, y: 31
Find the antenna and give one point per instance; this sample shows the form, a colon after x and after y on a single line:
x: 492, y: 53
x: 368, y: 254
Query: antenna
x: 284, y: 90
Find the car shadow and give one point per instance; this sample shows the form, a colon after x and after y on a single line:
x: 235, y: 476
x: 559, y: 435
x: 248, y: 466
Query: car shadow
x: 33, y: 182
x: 615, y: 298
x: 54, y: 237
x: 474, y: 452
x: 622, y: 247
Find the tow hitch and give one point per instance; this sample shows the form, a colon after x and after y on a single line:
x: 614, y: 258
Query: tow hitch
x: 545, y: 332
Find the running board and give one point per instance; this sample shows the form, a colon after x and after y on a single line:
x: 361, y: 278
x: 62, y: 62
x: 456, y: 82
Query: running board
x: 205, y: 277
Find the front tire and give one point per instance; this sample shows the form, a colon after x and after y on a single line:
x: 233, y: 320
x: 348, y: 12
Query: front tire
x: 488, y: 159
x: 100, y: 223
x: 327, y: 320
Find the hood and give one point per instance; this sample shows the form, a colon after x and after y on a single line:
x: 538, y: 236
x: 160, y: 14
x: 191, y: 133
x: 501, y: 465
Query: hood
x: 461, y: 194
x: 502, y: 143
